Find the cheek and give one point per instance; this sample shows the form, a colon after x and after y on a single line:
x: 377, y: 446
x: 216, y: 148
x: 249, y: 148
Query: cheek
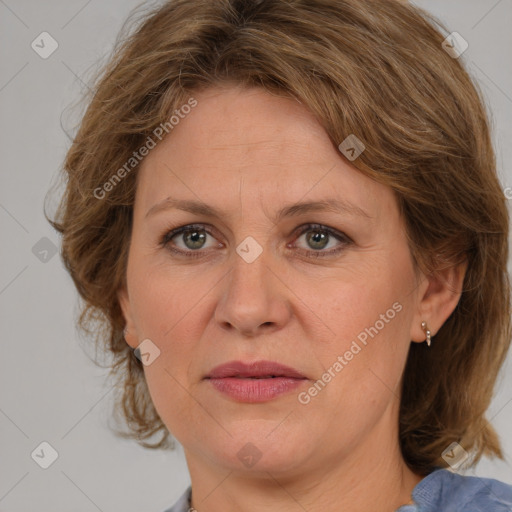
x: 164, y: 298
x: 368, y: 313
x: 355, y: 300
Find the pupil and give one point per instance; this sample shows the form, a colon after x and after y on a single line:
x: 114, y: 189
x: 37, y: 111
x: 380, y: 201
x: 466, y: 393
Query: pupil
x: 319, y: 238
x: 197, y: 239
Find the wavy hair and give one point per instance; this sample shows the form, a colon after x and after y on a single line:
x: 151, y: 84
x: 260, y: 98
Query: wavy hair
x: 374, y: 68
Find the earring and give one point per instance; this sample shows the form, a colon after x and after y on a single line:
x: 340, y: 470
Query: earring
x: 424, y: 326
x: 125, y: 330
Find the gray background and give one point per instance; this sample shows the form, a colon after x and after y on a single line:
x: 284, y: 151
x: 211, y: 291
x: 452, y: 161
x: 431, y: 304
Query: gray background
x: 49, y: 389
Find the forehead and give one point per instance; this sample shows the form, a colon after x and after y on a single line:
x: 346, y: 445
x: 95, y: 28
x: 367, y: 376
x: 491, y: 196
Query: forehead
x: 270, y: 146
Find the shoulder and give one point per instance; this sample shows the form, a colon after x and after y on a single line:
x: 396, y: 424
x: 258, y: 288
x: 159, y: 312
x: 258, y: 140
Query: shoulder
x: 446, y: 491
x: 182, y: 505
x: 441, y: 491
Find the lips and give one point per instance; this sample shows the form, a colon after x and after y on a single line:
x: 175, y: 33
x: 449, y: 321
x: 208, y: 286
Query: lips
x: 256, y: 370
x: 260, y: 381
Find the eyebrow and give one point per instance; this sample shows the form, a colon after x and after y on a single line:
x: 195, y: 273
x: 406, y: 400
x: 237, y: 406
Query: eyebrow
x: 291, y: 210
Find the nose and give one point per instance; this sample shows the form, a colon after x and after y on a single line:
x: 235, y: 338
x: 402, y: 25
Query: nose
x: 254, y: 298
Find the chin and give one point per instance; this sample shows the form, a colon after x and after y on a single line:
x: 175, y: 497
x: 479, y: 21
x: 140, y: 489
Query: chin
x: 254, y: 448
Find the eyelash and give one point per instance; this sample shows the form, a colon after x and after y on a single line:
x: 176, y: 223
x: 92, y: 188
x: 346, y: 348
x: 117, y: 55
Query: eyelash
x: 169, y: 235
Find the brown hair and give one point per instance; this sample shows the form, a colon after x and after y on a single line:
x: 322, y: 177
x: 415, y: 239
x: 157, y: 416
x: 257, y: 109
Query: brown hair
x: 373, y: 68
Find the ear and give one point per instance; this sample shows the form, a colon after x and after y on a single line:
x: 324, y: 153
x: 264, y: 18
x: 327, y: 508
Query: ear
x: 439, y: 294
x: 130, y: 332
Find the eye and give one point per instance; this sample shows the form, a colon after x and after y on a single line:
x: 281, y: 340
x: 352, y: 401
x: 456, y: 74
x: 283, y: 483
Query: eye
x: 319, y: 237
x: 191, y: 240
x: 191, y: 237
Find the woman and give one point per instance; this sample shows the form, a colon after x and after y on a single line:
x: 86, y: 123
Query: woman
x: 285, y: 219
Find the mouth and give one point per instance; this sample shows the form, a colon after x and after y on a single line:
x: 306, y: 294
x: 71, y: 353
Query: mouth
x: 254, y: 382
x: 256, y: 370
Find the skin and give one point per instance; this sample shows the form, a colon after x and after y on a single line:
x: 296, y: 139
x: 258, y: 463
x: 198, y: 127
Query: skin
x: 248, y: 153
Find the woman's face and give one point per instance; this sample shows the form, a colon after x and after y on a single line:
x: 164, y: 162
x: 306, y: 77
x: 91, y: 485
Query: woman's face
x: 293, y: 258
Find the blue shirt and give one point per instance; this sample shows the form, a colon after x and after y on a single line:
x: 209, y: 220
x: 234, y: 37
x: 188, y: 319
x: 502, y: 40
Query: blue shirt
x: 440, y: 491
